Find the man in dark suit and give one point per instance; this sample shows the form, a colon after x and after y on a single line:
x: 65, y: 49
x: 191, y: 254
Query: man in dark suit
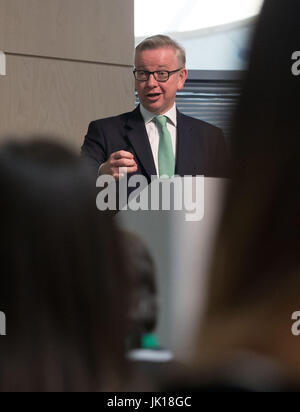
x: 156, y: 139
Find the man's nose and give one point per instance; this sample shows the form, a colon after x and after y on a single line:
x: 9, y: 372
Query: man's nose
x: 151, y: 82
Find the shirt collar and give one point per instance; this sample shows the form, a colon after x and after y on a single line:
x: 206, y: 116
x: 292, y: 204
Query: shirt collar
x: 171, y: 115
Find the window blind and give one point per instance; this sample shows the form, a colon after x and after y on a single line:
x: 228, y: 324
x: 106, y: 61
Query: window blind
x: 212, y: 97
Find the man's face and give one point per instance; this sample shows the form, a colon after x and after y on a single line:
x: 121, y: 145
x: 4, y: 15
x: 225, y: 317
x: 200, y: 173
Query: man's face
x: 158, y: 97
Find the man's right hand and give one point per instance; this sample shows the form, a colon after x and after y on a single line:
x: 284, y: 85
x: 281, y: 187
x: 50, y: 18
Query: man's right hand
x: 116, y: 161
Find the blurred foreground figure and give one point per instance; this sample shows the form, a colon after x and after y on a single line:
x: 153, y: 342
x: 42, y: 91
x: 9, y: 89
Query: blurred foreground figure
x: 144, y: 312
x: 61, y: 287
x: 246, y: 340
x: 149, y: 360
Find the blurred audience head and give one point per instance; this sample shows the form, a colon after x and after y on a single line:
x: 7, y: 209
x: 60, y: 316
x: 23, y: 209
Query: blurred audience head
x: 143, y: 313
x: 254, y: 284
x: 61, y: 287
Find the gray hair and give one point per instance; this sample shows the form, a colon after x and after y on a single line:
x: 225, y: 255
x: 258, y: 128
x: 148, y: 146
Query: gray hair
x: 159, y: 41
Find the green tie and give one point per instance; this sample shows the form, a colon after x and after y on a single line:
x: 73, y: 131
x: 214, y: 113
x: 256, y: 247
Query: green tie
x: 166, y: 160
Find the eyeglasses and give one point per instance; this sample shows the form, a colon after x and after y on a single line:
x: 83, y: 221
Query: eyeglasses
x: 160, y: 75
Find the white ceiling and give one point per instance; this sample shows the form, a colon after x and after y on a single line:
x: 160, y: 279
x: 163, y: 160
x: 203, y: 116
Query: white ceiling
x: 179, y: 16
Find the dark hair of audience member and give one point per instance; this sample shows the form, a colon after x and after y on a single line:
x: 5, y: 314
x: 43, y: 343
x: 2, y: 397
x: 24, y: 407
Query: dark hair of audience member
x: 143, y: 313
x: 61, y: 286
x: 254, y: 284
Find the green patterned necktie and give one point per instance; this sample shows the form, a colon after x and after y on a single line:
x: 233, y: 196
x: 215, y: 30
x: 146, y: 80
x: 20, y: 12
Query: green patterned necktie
x: 166, y: 160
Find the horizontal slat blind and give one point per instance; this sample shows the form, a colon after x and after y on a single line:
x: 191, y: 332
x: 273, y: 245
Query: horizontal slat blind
x: 211, y: 101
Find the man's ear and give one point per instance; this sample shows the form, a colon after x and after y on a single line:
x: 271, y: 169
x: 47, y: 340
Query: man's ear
x: 182, y: 78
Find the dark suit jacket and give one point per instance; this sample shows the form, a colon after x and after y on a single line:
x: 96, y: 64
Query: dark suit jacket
x: 201, y: 147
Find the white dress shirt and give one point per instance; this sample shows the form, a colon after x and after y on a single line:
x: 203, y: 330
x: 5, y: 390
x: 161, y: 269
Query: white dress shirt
x: 153, y: 132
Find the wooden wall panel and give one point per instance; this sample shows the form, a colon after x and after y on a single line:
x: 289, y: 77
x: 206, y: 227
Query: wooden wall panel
x: 60, y: 97
x: 94, y: 30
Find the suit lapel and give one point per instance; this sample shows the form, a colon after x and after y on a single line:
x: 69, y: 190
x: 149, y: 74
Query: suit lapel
x: 138, y: 137
x: 185, y: 152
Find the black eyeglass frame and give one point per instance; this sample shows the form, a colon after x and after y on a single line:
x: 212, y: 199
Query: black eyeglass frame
x: 157, y: 71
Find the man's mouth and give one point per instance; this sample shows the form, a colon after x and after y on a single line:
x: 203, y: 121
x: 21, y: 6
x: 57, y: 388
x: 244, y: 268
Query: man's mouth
x: 153, y: 95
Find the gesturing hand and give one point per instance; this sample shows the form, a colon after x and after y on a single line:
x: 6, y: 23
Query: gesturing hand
x: 117, y: 160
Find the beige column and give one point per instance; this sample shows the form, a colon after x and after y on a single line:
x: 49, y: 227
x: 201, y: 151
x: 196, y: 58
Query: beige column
x: 67, y: 62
